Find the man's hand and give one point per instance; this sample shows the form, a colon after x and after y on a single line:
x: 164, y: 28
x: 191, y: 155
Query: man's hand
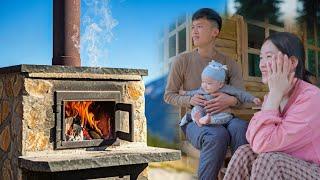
x: 197, y: 100
x: 221, y: 102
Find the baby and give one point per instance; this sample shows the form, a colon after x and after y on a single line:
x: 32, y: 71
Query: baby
x: 213, y: 80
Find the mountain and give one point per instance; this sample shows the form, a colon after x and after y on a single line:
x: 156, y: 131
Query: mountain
x: 162, y: 118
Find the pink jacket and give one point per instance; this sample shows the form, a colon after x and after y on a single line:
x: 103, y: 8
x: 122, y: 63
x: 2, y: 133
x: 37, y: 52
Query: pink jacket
x: 295, y: 131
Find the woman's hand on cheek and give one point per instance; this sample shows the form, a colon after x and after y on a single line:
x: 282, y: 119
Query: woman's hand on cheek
x: 280, y: 78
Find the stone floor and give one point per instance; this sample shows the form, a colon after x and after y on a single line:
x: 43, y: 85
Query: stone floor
x: 169, y: 174
x: 183, y: 169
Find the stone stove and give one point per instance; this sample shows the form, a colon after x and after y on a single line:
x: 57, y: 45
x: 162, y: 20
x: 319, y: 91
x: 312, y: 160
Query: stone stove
x: 36, y: 120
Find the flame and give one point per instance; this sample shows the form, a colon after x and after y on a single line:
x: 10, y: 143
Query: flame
x: 81, y: 109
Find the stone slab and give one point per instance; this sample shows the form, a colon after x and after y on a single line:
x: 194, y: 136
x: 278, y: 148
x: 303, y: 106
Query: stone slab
x: 117, y: 156
x: 46, y: 71
x: 86, y: 76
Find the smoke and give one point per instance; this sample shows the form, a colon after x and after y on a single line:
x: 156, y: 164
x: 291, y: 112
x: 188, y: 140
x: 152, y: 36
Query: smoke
x: 97, y: 24
x: 231, y: 7
x: 289, y: 9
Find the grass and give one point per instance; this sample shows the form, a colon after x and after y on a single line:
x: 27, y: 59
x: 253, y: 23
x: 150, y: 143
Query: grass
x: 156, y: 141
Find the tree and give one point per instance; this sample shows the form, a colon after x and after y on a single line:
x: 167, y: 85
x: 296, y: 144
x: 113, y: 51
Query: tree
x: 310, y: 14
x: 259, y: 9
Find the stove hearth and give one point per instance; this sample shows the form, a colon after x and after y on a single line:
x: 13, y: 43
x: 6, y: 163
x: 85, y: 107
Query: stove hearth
x: 59, y: 121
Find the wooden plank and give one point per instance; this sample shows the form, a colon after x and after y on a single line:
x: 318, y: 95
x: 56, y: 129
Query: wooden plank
x: 245, y: 114
x: 239, y: 21
x: 228, y: 47
x: 252, y: 88
x: 234, y: 57
x: 228, y: 30
x: 227, y: 51
x: 259, y: 94
x: 265, y: 88
x: 246, y: 117
x: 226, y: 43
x: 255, y: 86
x: 244, y: 49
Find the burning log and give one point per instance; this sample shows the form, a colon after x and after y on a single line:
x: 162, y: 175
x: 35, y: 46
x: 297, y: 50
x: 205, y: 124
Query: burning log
x: 92, y: 118
x: 75, y: 133
x: 94, y: 135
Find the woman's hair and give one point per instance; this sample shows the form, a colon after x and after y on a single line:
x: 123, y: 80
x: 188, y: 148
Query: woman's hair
x: 290, y: 45
x: 311, y: 78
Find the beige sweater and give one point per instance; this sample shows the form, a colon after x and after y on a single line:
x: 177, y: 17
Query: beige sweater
x: 185, y: 73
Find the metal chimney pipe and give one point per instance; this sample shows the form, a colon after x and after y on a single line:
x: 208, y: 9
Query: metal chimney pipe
x: 66, y: 32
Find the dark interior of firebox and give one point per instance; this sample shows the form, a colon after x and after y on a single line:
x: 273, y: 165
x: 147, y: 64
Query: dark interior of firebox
x: 88, y: 120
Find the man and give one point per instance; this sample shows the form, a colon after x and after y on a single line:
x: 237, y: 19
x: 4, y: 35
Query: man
x: 185, y: 74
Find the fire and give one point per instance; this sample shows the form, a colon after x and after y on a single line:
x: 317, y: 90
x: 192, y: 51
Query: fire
x: 96, y: 119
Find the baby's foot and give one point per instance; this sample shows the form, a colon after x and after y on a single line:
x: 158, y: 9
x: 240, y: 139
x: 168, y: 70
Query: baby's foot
x: 205, y: 120
x: 198, y: 123
x: 196, y: 116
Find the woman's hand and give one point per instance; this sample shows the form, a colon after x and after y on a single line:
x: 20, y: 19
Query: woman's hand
x: 279, y: 76
x: 257, y: 101
x: 280, y: 80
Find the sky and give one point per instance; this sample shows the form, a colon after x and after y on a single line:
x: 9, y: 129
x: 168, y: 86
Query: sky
x: 114, y: 33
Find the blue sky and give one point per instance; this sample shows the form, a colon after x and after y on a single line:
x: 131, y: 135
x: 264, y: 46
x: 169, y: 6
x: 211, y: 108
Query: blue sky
x: 26, y: 31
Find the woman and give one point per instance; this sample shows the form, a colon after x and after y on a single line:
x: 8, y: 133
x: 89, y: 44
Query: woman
x: 284, y: 137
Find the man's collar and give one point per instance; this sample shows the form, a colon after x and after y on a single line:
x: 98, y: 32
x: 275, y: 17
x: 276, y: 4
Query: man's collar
x: 212, y: 56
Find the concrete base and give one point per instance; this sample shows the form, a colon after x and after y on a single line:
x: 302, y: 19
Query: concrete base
x: 117, y: 161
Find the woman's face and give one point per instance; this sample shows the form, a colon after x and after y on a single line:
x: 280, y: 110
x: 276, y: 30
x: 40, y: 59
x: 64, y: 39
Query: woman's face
x: 268, y: 49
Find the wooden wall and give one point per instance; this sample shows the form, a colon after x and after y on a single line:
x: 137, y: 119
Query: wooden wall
x: 232, y: 41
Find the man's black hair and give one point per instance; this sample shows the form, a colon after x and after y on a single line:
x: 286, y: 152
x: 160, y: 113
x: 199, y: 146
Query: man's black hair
x: 209, y: 14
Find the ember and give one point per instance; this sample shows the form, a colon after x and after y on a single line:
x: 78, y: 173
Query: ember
x: 86, y: 120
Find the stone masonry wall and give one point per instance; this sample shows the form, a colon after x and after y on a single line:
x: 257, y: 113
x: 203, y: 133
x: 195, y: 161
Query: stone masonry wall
x: 134, y: 94
x: 11, y: 86
x: 38, y: 116
x: 27, y: 120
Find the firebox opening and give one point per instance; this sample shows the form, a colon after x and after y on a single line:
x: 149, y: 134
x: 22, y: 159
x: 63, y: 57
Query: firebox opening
x: 89, y: 120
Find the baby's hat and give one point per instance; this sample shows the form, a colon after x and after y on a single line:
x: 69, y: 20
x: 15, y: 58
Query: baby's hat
x: 215, y: 70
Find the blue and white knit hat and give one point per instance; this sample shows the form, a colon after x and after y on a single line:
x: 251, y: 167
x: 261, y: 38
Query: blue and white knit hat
x: 215, y: 70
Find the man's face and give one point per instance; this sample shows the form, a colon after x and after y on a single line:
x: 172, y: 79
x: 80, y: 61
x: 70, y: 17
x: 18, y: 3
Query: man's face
x: 210, y: 85
x: 203, y: 32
